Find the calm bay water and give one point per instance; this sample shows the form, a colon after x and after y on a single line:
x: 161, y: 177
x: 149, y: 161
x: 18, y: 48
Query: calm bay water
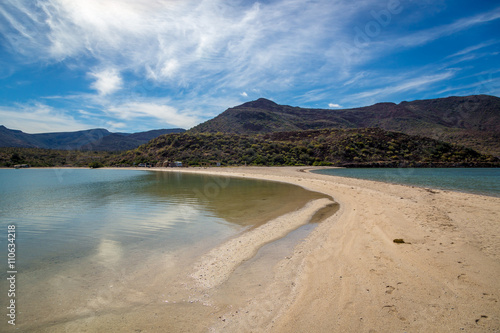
x: 61, y: 213
x: 472, y: 180
x: 94, y: 243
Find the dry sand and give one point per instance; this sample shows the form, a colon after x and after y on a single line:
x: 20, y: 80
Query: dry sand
x: 349, y: 275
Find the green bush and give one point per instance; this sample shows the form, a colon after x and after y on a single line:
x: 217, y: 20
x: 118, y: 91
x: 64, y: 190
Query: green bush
x: 95, y: 165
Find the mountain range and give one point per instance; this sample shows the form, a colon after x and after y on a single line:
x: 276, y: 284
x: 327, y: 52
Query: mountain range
x: 471, y: 121
x: 94, y: 139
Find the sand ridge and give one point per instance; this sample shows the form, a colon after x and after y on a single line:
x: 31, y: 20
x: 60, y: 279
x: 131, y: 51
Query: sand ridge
x: 215, y: 266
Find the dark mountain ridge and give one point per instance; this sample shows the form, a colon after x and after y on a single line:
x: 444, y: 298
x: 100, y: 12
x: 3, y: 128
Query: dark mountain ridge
x: 98, y: 139
x: 472, y: 121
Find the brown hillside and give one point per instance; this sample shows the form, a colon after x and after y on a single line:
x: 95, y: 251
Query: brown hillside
x: 472, y: 121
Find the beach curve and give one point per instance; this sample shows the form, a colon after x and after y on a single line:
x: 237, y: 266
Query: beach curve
x: 349, y: 275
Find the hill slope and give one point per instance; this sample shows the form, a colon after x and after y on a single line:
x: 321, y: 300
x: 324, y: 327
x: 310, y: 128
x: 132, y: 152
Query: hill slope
x: 472, y: 121
x: 340, y: 147
x: 93, y: 139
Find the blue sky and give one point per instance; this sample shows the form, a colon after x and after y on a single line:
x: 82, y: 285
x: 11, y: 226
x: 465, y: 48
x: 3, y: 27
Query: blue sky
x: 130, y: 66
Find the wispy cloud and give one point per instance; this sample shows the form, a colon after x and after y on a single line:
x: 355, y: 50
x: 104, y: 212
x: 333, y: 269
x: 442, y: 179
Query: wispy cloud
x: 165, y: 114
x: 178, y: 42
x: 179, y: 62
x: 435, y: 33
x: 356, y: 78
x: 39, y: 118
x: 473, y: 48
x: 410, y: 84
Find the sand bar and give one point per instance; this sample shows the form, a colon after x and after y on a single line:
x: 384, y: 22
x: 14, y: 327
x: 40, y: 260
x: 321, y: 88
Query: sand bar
x: 349, y: 275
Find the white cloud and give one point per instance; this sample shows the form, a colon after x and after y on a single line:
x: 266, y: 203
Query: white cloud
x: 408, y: 84
x: 39, y: 118
x: 244, y: 94
x: 167, y: 115
x: 182, y: 42
x: 170, y: 68
x: 107, y: 81
x: 334, y: 105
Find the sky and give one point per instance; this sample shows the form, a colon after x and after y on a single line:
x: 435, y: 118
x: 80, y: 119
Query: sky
x: 137, y: 65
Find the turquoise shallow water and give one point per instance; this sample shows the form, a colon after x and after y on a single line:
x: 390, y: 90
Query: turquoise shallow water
x: 484, y: 181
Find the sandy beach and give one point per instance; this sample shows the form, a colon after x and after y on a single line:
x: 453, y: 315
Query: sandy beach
x: 349, y: 276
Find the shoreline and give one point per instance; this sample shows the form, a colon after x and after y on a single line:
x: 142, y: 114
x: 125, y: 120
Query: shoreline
x: 305, y: 169
x: 349, y: 275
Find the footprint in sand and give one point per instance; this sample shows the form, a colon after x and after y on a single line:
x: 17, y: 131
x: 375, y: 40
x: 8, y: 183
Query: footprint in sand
x: 482, y: 318
x: 389, y: 289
